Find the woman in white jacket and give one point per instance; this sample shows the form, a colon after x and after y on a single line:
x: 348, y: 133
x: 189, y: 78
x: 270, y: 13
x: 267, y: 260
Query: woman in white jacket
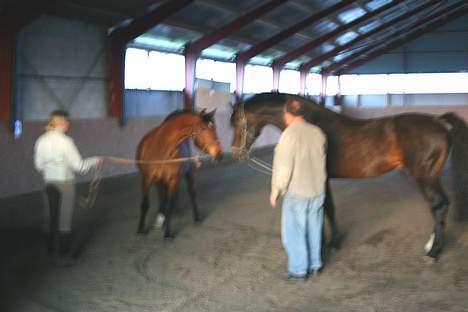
x: 57, y: 159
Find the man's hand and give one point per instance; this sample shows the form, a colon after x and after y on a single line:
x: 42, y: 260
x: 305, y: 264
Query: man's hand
x: 273, y: 198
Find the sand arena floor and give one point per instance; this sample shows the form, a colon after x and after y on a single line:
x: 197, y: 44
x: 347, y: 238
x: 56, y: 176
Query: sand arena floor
x: 234, y: 260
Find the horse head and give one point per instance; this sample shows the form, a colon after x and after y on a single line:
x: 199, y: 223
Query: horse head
x: 205, y: 137
x: 246, y: 130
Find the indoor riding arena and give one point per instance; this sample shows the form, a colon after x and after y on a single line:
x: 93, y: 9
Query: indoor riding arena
x: 385, y: 81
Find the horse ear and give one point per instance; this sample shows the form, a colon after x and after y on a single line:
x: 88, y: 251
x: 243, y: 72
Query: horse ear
x: 212, y: 113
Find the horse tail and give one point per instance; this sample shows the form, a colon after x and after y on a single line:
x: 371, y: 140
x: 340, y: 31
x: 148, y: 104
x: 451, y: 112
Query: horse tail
x: 458, y: 130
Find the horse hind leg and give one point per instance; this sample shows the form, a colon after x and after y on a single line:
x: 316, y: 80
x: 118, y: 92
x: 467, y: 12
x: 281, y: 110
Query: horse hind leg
x: 433, y: 192
x: 160, y: 216
x: 172, y: 197
x: 189, y: 177
x: 329, y: 209
x: 144, y: 208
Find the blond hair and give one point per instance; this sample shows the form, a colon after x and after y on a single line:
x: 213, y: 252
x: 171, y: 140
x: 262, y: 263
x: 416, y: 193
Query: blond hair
x: 56, y: 118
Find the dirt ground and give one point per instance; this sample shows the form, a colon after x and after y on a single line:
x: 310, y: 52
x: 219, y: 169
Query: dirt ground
x: 234, y: 260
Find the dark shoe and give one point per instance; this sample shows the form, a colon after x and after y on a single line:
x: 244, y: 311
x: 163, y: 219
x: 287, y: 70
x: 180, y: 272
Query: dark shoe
x: 297, y: 277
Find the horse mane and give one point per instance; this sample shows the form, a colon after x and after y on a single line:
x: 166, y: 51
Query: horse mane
x: 177, y: 113
x: 205, y: 117
x: 268, y: 101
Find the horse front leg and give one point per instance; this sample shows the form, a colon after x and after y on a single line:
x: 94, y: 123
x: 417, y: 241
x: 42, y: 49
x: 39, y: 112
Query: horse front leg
x: 329, y: 209
x: 433, y: 192
x: 190, y: 178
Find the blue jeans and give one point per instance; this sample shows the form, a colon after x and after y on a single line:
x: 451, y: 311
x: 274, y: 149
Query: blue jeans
x: 301, y: 232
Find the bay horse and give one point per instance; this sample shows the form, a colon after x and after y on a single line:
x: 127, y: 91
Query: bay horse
x: 362, y: 148
x: 156, y: 153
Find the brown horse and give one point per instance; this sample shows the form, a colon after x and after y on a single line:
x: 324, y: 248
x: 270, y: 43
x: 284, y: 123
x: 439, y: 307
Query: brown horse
x: 365, y: 148
x: 156, y: 153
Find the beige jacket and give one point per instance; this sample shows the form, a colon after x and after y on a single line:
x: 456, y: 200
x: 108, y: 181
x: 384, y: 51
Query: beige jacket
x: 299, y: 164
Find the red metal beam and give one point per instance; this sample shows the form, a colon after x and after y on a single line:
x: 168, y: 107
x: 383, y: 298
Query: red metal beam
x: 190, y: 64
x: 240, y: 68
x: 7, y: 57
x: 144, y: 23
x: 294, y: 54
x: 318, y: 60
x: 245, y: 56
x: 302, y: 82
x: 117, y: 78
x: 204, y: 42
x: 385, y: 41
x: 446, y: 18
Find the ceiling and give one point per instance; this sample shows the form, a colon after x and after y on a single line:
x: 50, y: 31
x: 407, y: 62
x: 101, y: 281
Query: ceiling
x: 202, y: 17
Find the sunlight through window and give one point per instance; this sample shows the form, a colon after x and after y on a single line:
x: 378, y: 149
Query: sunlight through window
x: 136, y: 74
x: 289, y: 81
x: 258, y: 79
x: 166, y: 71
x: 217, y: 71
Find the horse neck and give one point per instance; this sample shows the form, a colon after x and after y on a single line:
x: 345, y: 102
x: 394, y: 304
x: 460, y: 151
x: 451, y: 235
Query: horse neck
x: 177, y: 132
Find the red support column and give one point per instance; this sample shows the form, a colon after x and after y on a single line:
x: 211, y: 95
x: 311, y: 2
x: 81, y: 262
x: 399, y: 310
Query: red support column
x: 276, y: 77
x: 303, y: 82
x: 323, y: 91
x: 7, y: 56
x: 190, y: 67
x: 240, y: 70
x: 117, y: 79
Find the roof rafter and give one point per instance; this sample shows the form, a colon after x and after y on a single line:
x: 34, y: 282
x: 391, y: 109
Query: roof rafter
x: 144, y: 23
x: 411, y: 36
x: 204, y: 42
x: 281, y: 61
x: 270, y: 42
x: 317, y: 60
x: 406, y: 32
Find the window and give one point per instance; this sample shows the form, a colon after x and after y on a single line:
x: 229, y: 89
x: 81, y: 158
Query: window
x: 154, y: 70
x: 166, y: 71
x: 313, y: 84
x: 258, y: 79
x: 136, y: 73
x: 289, y: 81
x: 364, y: 84
x: 217, y: 71
x: 405, y: 83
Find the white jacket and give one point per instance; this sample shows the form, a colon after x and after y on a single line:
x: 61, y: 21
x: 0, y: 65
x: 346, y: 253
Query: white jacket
x: 57, y: 158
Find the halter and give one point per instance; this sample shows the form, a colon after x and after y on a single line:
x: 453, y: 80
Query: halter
x: 244, y: 133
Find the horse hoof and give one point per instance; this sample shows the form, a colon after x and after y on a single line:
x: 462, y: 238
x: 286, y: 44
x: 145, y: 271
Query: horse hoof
x: 198, y: 220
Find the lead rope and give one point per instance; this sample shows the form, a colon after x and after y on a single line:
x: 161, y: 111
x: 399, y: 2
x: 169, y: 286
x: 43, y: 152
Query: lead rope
x: 93, y: 189
x: 261, y: 166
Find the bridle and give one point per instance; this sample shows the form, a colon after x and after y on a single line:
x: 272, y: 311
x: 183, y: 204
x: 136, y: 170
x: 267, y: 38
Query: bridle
x: 194, y: 133
x: 242, y: 149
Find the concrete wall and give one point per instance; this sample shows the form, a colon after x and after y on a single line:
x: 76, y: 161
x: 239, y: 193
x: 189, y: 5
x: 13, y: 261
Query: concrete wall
x: 92, y: 137
x: 370, y: 112
x: 61, y: 64
x: 144, y: 103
